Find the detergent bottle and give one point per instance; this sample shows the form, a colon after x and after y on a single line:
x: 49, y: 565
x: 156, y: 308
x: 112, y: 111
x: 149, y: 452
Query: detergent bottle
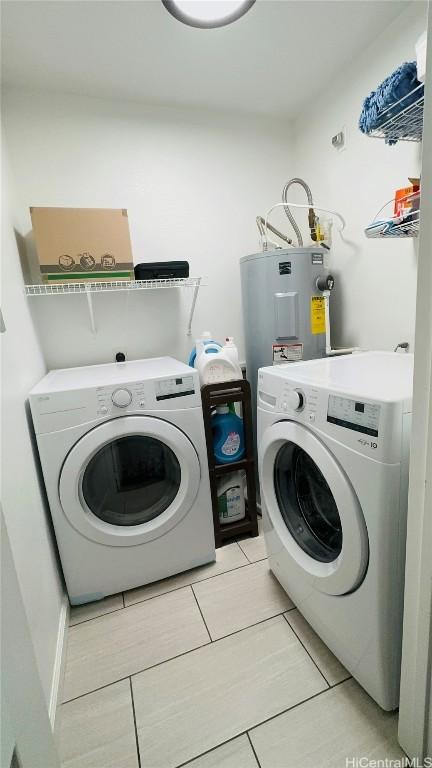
x: 217, y: 367
x: 221, y: 365
x: 203, y: 343
x: 228, y: 435
x: 231, y: 350
x: 231, y: 497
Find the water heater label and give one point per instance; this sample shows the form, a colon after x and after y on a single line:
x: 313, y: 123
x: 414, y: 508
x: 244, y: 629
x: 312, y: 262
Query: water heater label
x: 287, y: 353
x: 284, y: 267
x: 318, y: 322
x: 318, y: 258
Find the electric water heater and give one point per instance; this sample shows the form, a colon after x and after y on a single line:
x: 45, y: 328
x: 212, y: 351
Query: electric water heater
x: 284, y: 312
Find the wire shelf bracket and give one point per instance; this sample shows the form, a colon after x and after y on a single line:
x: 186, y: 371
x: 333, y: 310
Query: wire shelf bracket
x: 109, y: 286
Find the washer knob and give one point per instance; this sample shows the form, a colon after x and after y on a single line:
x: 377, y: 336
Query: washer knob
x: 121, y: 398
x: 295, y: 400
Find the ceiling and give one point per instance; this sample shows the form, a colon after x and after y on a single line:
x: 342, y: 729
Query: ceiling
x: 273, y: 61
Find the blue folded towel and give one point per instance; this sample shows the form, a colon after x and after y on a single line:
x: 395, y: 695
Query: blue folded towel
x: 399, y: 85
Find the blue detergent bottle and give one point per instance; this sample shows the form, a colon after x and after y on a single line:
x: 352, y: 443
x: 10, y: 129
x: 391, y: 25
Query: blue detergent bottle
x: 205, y: 344
x: 228, y: 435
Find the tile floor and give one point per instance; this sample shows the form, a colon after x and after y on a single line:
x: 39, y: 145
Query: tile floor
x: 214, y: 668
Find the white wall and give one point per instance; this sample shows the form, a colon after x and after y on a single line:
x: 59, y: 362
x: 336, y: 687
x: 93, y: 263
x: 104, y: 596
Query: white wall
x: 193, y: 183
x: 25, y: 726
x: 26, y: 515
x: 374, y: 303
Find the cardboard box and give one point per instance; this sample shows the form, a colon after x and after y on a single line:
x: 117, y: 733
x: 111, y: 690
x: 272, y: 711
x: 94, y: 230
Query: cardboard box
x: 82, y: 244
x: 407, y: 198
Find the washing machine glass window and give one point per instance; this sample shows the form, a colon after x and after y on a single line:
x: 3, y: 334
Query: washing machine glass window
x: 307, y: 504
x: 131, y: 480
x: 118, y: 461
x: 308, y: 497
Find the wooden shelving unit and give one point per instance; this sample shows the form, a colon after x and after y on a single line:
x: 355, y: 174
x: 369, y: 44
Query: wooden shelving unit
x: 220, y: 394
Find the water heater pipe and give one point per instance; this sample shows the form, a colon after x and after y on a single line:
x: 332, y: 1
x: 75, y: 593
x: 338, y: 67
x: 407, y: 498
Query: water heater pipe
x: 264, y: 240
x: 329, y: 351
x: 312, y: 219
x: 302, y: 205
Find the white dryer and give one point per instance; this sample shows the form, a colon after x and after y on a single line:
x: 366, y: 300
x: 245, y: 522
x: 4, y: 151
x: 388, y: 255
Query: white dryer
x: 124, y: 460
x: 333, y: 438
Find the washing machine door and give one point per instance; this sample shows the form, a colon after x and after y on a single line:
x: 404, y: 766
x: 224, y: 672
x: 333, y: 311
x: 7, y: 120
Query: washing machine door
x: 313, y: 508
x: 129, y: 480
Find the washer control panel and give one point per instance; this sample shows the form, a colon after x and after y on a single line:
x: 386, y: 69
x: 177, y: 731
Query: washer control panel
x: 353, y: 414
x: 369, y: 426
x: 295, y: 400
x: 114, y: 400
x: 121, y: 398
x: 166, y: 389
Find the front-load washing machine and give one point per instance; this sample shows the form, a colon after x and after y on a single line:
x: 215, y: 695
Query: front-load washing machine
x: 124, y: 460
x: 334, y: 461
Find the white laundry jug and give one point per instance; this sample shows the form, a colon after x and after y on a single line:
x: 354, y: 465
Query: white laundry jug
x: 231, y: 497
x: 217, y: 367
x: 231, y: 350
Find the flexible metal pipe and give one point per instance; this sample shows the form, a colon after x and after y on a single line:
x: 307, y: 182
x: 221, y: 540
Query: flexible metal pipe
x: 287, y: 210
x: 261, y: 227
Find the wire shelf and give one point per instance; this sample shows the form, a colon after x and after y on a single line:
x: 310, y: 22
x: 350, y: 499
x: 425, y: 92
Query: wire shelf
x: 406, y: 124
x: 111, y: 285
x: 407, y: 229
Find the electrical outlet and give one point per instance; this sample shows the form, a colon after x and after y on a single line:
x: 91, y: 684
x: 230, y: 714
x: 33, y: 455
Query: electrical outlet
x: 339, y: 140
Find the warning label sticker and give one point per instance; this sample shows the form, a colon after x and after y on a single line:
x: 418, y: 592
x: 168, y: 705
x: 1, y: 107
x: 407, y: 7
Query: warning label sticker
x: 287, y: 353
x: 318, y: 322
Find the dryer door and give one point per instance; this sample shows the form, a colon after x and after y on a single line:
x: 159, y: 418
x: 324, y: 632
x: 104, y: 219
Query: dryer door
x: 313, y: 508
x: 129, y: 480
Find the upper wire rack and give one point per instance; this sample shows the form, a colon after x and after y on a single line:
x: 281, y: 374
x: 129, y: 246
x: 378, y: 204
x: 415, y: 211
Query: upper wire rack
x: 407, y: 123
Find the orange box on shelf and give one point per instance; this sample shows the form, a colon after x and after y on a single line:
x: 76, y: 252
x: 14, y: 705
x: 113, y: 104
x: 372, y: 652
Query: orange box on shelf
x: 82, y: 244
x: 406, y: 198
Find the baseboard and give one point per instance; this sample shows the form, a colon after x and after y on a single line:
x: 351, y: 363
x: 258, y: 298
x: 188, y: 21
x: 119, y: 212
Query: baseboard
x: 59, y: 662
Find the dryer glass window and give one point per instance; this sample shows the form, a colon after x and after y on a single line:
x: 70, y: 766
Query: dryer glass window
x: 307, y: 504
x: 131, y: 480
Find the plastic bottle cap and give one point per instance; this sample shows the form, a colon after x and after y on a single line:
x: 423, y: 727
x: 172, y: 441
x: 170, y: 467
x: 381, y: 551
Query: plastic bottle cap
x: 222, y: 409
